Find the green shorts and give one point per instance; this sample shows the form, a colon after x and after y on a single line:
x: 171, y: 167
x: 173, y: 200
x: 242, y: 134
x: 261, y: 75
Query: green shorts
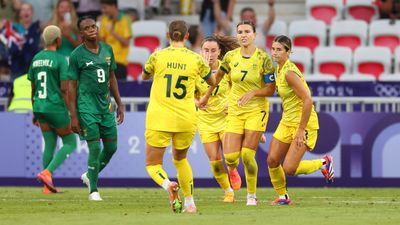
x: 95, y: 126
x: 54, y: 119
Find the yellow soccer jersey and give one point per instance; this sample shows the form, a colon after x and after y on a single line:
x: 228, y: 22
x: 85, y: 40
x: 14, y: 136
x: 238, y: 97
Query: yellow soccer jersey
x: 246, y: 74
x: 214, y: 118
x: 171, y: 106
x: 291, y: 103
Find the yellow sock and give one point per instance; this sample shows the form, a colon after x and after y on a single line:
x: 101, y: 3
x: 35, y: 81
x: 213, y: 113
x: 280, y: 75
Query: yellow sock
x: 250, y: 169
x: 278, y: 179
x: 232, y: 160
x: 157, y: 173
x: 185, y: 176
x: 308, y: 166
x: 220, y: 174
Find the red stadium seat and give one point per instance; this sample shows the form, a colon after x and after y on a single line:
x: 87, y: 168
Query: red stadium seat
x: 348, y: 33
x: 361, y: 10
x: 323, y: 10
x: 149, y: 34
x: 279, y: 27
x: 332, y: 60
x: 382, y: 33
x: 372, y: 60
x: 301, y: 56
x: 308, y: 33
x: 137, y: 58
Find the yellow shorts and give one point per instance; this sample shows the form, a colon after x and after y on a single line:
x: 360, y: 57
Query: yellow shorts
x: 162, y: 139
x: 207, y: 137
x: 286, y: 134
x: 256, y: 121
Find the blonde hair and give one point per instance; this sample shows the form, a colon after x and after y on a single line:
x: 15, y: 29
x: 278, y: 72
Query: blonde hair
x: 50, y: 34
x: 55, y: 19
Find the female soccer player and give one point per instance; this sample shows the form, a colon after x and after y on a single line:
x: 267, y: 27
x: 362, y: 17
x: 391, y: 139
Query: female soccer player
x: 171, y: 114
x: 251, y: 73
x: 49, y: 74
x: 298, y: 128
x: 212, y: 118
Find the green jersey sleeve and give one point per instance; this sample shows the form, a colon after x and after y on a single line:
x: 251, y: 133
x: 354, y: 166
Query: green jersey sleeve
x: 73, y: 69
x: 63, y: 68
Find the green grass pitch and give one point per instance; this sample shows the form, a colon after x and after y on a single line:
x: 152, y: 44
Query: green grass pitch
x: 319, y: 206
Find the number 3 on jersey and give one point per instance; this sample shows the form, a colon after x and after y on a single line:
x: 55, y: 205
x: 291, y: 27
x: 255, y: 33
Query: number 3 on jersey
x: 178, y: 85
x: 42, y: 77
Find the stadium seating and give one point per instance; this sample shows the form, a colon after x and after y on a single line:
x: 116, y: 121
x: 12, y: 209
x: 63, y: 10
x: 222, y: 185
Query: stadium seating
x: 372, y: 60
x: 301, y: 56
x: 382, y: 33
x: 137, y: 58
x: 357, y: 77
x: 320, y: 77
x: 348, y: 33
x: 332, y: 60
x: 397, y: 60
x: 361, y: 10
x: 150, y: 34
x: 279, y: 27
x: 324, y: 10
x: 308, y: 33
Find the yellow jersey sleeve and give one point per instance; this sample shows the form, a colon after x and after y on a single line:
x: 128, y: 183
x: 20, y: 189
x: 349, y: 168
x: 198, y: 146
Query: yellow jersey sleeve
x: 149, y: 66
x: 292, y: 105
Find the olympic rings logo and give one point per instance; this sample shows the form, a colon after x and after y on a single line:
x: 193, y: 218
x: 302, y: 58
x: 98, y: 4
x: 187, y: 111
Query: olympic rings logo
x: 387, y: 90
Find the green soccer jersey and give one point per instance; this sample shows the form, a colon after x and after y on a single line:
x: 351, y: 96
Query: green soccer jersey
x: 46, y: 71
x: 92, y: 71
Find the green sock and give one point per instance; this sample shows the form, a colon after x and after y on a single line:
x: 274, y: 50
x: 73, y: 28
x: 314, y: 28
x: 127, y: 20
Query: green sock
x: 50, y: 142
x: 108, y: 151
x: 93, y: 164
x: 69, y: 145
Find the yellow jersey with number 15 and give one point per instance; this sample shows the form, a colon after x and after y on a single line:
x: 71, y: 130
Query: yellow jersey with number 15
x: 171, y: 107
x: 291, y: 103
x: 247, y: 74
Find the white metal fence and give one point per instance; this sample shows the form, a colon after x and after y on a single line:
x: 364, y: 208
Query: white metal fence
x: 322, y: 104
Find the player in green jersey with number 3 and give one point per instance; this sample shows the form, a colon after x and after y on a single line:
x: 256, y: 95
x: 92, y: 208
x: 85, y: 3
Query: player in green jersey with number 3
x: 48, y: 74
x: 91, y: 70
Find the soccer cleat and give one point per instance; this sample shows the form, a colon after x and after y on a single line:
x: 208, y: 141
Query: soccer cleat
x: 85, y: 180
x: 190, y: 209
x: 229, y: 197
x: 176, y: 203
x: 95, y: 196
x: 282, y: 201
x: 235, y: 179
x: 251, y: 201
x: 328, y: 171
x: 46, y: 179
x: 47, y: 191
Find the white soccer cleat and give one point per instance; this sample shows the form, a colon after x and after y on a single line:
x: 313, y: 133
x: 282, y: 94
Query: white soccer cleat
x: 95, y: 196
x: 85, y: 180
x: 251, y: 201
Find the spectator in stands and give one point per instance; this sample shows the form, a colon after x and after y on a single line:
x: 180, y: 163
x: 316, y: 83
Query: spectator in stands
x: 90, y: 8
x: 209, y: 9
x: 132, y: 13
x: 389, y: 9
x: 8, y: 9
x: 249, y: 14
x: 42, y: 9
x: 24, y: 42
x: 64, y: 16
x: 19, y: 100
x: 196, y: 37
x: 115, y: 30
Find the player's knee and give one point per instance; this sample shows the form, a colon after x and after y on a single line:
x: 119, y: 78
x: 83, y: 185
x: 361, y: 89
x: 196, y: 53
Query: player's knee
x: 110, y: 147
x: 289, y: 170
x: 272, y: 162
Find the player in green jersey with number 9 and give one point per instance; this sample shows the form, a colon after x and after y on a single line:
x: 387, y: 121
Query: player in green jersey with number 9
x: 91, y: 70
x: 171, y: 114
x: 48, y: 74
